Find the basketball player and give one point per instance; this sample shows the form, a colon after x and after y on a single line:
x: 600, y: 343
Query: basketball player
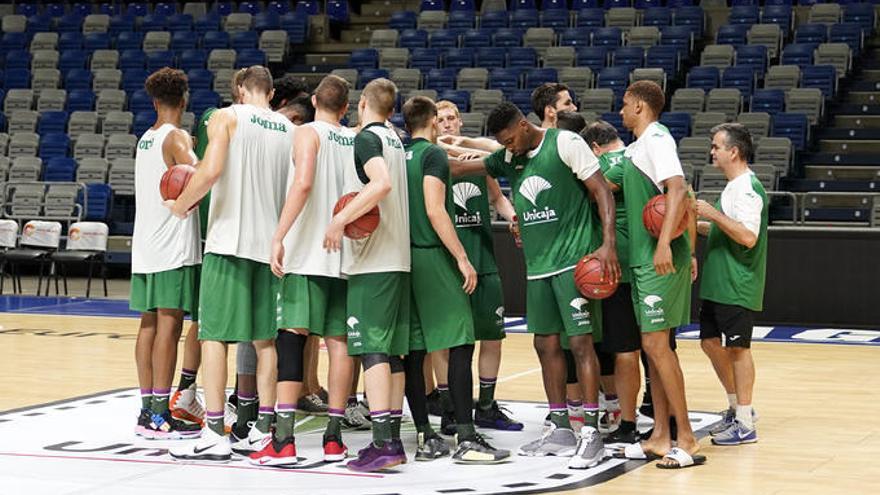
x: 242, y: 218
x: 734, y: 270
x: 660, y: 270
x: 548, y: 100
x: 166, y: 254
x: 378, y: 269
x: 440, y: 307
x: 554, y: 174
x: 312, y: 295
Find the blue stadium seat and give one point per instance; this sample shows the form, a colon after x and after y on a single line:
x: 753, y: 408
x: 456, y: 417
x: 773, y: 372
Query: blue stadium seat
x: 741, y: 78
x: 576, y: 37
x: 367, y: 75
x: 771, y: 101
x: 524, y: 57
x: 616, y: 120
x: 14, y: 41
x: 431, y: 5
x: 507, y: 37
x: 591, y: 17
x: 142, y: 122
x: 193, y: 59
x: 364, y: 58
x: 741, y: 3
x: 743, y: 14
x: 594, y: 57
x: 337, y: 11
x: 664, y: 57
x: 578, y: 5
x: 184, y: 40
x: 548, y: 5
x: 861, y: 14
x: 608, y: 36
x: 60, y: 169
x: 459, y: 19
x: 138, y: 9
x: 81, y: 8
x: 18, y: 59
x: 66, y: 41
x: 678, y: 123
x: 443, y: 38
x: 459, y: 58
x: 425, y: 58
x: 628, y: 56
x: 522, y: 98
x: 140, y: 101
x: 130, y: 40
x: 249, y: 57
x: 800, y: 54
x: 657, y: 16
x: 244, y: 40
x: 17, y: 79
x: 811, y: 33
x: 69, y: 23
x: 787, y: 3
x: 823, y: 77
x: 132, y: 59
x: 690, y: 16
x: 72, y: 59
x: 476, y: 38
x: 413, y: 38
x: 403, y: 19
x: 646, y: 4
x: 200, y: 79
x: 165, y: 8
x: 223, y: 8
x: 495, y: 19
x: 537, y: 77
x: 849, y: 33
x: 206, y: 23
x: 491, y: 57
x: 523, y: 5
x: 754, y: 56
x: 153, y: 22
x: 615, y: 78
x: 215, y: 40
x: 504, y: 79
x: 100, y: 201
x: 40, y: 23
x: 794, y: 126
x: 110, y: 9
x: 524, y: 19
x: 556, y: 19
x: 279, y: 8
x: 460, y: 97
x: 267, y: 21
x: 297, y: 27
x: 80, y: 100
x: 777, y: 14
x: 158, y: 59
x: 703, y: 77
x: 202, y: 100
x: 27, y: 9
x: 441, y: 79
x: 610, y: 4
x: 462, y: 6
x: 54, y: 121
x: 54, y: 144
x: 732, y: 34
x: 681, y: 37
x: 55, y: 9
x: 251, y: 8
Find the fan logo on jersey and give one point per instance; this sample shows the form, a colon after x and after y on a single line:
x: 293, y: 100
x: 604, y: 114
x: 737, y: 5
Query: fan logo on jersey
x: 499, y: 311
x: 353, y: 333
x: 579, y: 314
x: 461, y: 193
x: 653, y: 311
x: 530, y: 189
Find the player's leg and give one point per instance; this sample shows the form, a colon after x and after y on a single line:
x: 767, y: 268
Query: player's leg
x: 357, y: 413
x: 246, y: 389
x: 440, y: 360
x: 185, y: 404
x: 710, y: 342
x: 169, y: 324
x: 430, y: 445
x: 433, y: 394
x: 736, y: 324
x: 398, y: 387
x: 574, y: 395
x: 143, y: 356
x: 609, y: 404
x: 621, y: 338
x: 311, y: 402
x: 339, y: 383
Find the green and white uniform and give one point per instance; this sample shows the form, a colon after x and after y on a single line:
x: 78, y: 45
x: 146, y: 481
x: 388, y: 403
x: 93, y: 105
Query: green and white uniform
x: 473, y: 224
x: 558, y: 227
x: 440, y: 309
x: 378, y: 267
x: 245, y: 204
x: 201, y: 146
x: 660, y: 302
x: 611, y: 163
x: 165, y: 250
x: 312, y: 294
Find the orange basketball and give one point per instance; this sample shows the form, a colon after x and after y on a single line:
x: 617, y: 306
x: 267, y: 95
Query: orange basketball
x: 174, y: 181
x: 588, y: 276
x: 361, y: 227
x: 654, y: 213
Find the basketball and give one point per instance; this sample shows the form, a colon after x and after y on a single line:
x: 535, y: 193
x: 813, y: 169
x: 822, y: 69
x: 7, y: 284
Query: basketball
x: 360, y: 227
x: 654, y: 213
x: 588, y: 278
x: 174, y: 181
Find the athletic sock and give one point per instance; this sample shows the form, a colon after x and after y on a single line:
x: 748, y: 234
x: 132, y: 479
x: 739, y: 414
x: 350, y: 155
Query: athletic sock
x: 744, y: 416
x: 160, y: 400
x: 445, y: 398
x: 591, y: 415
x: 487, y: 392
x: 612, y: 403
x: 215, y: 421
x: 559, y: 416
x: 334, y: 425
x: 575, y: 409
x: 381, y: 423
x: 247, y: 410
x: 285, y: 417
x: 264, y: 419
x: 187, y: 378
x: 731, y: 401
x: 146, y: 398
x: 396, y: 417
x: 426, y: 429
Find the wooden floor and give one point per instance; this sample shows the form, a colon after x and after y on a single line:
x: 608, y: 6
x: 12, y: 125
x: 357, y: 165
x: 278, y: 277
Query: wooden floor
x: 819, y: 404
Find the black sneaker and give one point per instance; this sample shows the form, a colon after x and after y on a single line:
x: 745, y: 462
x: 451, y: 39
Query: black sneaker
x: 620, y: 436
x: 447, y: 423
x: 165, y: 427
x: 431, y: 447
x: 494, y: 418
x: 142, y: 428
x: 434, y: 406
x: 476, y: 450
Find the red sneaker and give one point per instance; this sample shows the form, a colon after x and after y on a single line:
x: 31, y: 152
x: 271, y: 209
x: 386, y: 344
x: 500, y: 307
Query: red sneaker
x: 276, y: 453
x: 334, y: 449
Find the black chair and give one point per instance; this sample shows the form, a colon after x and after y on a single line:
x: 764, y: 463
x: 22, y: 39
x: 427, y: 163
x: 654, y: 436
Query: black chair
x: 39, y: 239
x: 86, y: 245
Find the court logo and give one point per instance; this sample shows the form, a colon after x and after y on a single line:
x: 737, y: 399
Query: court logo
x: 530, y: 189
x: 461, y: 193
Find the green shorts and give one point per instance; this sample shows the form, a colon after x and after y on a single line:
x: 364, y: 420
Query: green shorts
x: 554, y: 305
x: 378, y: 313
x: 439, y: 303
x: 312, y: 302
x: 171, y: 289
x: 661, y: 302
x: 240, y: 305
x: 487, y: 305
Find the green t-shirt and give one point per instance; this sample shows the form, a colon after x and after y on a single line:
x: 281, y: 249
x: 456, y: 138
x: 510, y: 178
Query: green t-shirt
x: 733, y: 273
x: 423, y: 159
x: 612, y: 166
x: 556, y: 218
x: 201, y: 146
x: 473, y: 222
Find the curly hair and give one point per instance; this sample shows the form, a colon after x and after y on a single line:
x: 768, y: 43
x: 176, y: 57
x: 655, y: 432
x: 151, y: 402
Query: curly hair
x: 287, y: 88
x: 168, y: 86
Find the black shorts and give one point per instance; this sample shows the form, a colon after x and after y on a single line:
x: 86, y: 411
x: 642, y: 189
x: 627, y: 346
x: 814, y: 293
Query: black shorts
x: 620, y: 329
x: 732, y: 324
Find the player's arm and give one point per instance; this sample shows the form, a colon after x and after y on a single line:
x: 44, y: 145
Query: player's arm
x: 663, y: 154
x: 480, y: 144
x: 499, y: 200
x: 460, y: 151
x: 472, y: 166
x: 742, y: 233
x: 220, y: 130
x: 176, y: 149
x: 305, y: 146
x: 692, y: 230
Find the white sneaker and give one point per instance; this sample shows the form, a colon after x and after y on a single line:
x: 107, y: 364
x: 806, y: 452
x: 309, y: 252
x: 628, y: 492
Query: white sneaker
x: 560, y: 442
x: 185, y: 406
x: 590, y: 450
x: 230, y: 416
x: 253, y: 442
x: 209, y: 447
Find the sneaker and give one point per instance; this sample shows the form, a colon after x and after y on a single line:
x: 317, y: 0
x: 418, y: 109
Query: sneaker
x: 323, y: 395
x: 430, y: 448
x: 609, y: 421
x: 737, y: 434
x: 590, y: 450
x: 230, y: 416
x: 495, y: 418
x: 435, y: 408
x: 334, y: 449
x: 142, y: 428
x: 560, y: 442
x: 620, y: 436
x: 397, y: 447
x: 254, y: 441
x: 164, y: 427
x: 447, y: 423
x: 354, y: 418
x: 312, y: 405
x: 209, y: 447
x: 547, y: 421
x: 185, y: 406
x: 727, y: 419
x: 275, y: 453
x: 373, y: 458
x: 477, y: 450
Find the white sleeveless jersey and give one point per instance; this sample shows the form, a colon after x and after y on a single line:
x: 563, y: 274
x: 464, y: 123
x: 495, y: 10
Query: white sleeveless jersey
x: 247, y: 199
x: 387, y: 248
x: 160, y: 241
x: 303, y: 245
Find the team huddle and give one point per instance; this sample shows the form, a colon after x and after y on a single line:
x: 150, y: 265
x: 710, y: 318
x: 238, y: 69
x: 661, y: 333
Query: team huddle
x: 408, y: 298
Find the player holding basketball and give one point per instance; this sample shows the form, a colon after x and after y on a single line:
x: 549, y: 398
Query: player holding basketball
x: 378, y: 269
x: 660, y: 269
x: 165, y: 258
x: 734, y: 269
x: 312, y: 295
x: 245, y: 206
x: 552, y: 172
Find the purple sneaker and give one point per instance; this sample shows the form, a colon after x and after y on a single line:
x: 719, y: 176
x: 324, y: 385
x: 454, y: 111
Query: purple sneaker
x: 374, y: 458
x: 397, y: 445
x: 494, y: 418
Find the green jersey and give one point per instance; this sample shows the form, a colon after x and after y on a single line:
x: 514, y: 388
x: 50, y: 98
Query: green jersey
x: 556, y: 218
x: 611, y: 164
x: 423, y: 159
x: 201, y: 146
x: 733, y: 273
x: 473, y: 222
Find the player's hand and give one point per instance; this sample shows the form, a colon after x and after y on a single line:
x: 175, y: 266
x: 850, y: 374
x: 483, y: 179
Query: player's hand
x: 333, y: 236
x: 704, y: 210
x: 514, y: 229
x: 607, y: 256
x: 450, y: 140
x: 276, y: 261
x: 694, y: 270
x: 465, y: 157
x: 172, y: 205
x: 663, y: 259
x: 469, y: 274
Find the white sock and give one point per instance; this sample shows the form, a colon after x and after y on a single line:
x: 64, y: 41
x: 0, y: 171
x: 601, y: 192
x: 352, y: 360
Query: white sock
x: 744, y: 416
x: 613, y: 405
x: 731, y: 401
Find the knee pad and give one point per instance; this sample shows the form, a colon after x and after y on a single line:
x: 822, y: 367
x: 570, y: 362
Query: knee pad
x: 372, y: 359
x: 571, y: 376
x: 396, y: 364
x: 290, y: 348
x: 245, y: 358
